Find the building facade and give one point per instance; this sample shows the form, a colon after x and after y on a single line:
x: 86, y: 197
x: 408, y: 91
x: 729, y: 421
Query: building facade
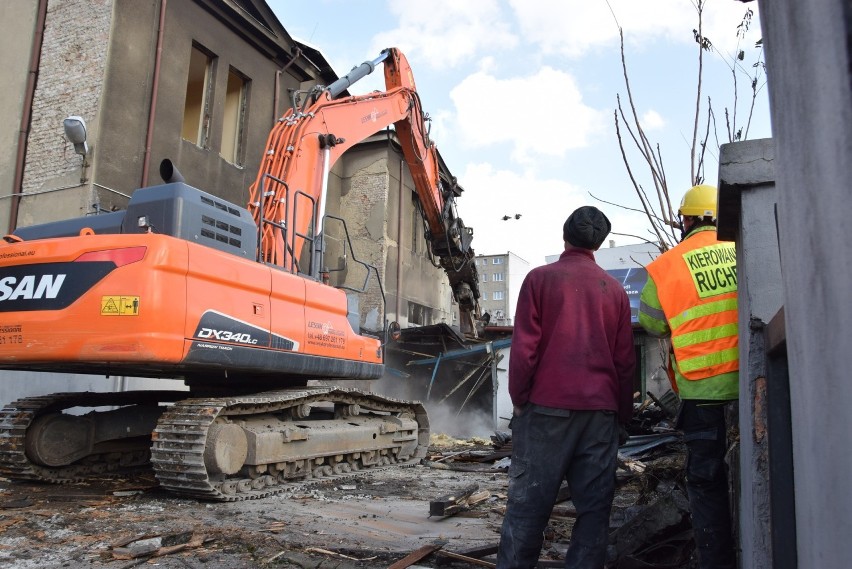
x: 198, y: 82
x: 500, y: 280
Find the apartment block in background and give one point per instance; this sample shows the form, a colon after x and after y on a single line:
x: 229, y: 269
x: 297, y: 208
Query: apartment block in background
x: 500, y: 279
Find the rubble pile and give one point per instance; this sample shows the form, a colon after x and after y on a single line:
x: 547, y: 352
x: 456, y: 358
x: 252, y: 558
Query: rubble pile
x: 649, y: 525
x: 446, y: 511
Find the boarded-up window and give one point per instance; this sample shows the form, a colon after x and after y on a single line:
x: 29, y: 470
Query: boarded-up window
x: 233, y: 124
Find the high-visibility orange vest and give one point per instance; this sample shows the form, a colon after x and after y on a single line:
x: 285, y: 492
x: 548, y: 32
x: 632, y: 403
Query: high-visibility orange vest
x: 697, y: 287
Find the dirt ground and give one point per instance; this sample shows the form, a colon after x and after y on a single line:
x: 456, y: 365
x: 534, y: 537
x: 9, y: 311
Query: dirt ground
x: 369, y: 521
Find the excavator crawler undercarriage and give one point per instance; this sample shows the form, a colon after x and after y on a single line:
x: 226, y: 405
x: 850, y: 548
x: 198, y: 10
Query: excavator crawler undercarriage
x: 220, y: 449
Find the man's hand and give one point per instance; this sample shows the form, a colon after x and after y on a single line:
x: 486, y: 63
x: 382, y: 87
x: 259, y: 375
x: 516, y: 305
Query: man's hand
x: 623, y: 435
x: 516, y: 412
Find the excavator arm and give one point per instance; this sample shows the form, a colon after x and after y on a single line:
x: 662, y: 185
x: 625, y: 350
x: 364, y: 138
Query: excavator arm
x: 286, y: 199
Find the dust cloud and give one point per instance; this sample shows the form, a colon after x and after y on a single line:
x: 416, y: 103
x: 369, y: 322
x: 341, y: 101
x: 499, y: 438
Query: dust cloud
x: 443, y: 420
x: 473, y: 418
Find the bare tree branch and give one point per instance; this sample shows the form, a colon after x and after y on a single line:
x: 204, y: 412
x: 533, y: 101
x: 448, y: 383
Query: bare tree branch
x: 700, y: 39
x: 645, y: 204
x: 658, y: 219
x: 660, y: 211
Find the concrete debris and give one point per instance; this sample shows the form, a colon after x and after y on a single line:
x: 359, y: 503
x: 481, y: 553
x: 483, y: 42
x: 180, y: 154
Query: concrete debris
x: 157, y: 546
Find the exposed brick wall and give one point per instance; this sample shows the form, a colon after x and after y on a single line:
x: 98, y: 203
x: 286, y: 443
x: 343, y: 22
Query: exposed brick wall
x: 70, y: 81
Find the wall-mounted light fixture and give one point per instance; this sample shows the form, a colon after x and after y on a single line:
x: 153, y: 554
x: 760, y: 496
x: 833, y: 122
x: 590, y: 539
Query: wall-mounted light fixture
x: 75, y: 132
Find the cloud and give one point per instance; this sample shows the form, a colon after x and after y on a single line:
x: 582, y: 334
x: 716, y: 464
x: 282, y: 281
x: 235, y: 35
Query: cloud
x: 542, y: 114
x: 544, y: 205
x: 572, y: 29
x: 445, y: 33
x: 652, y: 120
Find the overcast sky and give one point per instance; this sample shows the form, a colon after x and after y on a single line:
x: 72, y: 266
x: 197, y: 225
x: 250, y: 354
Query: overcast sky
x: 522, y: 95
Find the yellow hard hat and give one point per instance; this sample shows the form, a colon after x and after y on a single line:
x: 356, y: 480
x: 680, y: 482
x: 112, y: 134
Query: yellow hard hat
x: 699, y: 201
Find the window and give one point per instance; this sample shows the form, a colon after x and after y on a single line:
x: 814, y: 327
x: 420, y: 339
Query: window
x: 415, y: 223
x: 497, y: 260
x: 485, y: 277
x: 498, y: 295
x: 196, y: 112
x: 498, y: 277
x: 234, y: 121
x: 419, y: 314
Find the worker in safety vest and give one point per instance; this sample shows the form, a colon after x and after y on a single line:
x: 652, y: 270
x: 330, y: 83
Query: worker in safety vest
x: 691, y: 295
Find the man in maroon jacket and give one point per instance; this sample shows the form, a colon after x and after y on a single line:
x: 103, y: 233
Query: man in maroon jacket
x: 570, y: 378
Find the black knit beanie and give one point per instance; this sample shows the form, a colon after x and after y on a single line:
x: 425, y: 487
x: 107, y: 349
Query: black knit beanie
x: 586, y: 228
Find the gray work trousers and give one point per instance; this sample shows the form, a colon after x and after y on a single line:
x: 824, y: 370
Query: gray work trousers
x: 549, y: 446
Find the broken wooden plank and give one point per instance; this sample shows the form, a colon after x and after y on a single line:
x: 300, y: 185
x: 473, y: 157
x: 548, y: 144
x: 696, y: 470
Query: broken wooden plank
x: 336, y: 554
x: 417, y: 555
x: 476, y: 553
x: 158, y: 546
x: 473, y: 560
x: 494, y: 456
x: 466, y: 503
x: 463, y: 467
x: 275, y: 527
x: 451, y: 455
x: 443, y: 506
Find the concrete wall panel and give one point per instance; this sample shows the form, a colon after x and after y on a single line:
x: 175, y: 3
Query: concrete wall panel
x: 809, y: 59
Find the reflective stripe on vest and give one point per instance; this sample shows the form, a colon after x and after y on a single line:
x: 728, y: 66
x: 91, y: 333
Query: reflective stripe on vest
x: 697, y: 288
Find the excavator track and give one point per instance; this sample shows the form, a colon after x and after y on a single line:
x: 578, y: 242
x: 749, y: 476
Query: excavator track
x: 292, y: 439
x: 18, y: 417
x: 196, y: 439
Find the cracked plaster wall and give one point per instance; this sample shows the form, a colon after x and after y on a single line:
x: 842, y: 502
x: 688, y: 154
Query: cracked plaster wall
x: 364, y: 189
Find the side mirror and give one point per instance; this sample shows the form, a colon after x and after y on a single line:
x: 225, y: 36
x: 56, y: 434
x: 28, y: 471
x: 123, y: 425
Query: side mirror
x: 394, y: 331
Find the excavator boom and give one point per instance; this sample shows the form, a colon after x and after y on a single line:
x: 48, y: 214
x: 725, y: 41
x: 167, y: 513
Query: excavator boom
x: 304, y: 144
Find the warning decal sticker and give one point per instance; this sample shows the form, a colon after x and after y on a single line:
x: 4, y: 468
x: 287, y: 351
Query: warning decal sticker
x: 120, y: 306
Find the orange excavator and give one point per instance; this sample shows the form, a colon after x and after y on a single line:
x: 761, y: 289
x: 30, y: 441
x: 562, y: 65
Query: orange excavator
x: 232, y: 301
